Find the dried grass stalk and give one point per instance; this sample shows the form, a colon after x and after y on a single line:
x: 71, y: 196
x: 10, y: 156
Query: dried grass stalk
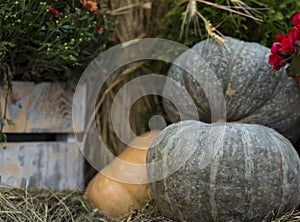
x: 192, y: 13
x: 132, y: 18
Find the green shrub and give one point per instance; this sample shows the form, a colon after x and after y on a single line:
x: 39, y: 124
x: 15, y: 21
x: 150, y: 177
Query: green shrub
x: 38, y: 45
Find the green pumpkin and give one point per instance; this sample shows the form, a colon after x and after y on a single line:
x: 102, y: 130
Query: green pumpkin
x: 254, y: 170
x: 253, y: 92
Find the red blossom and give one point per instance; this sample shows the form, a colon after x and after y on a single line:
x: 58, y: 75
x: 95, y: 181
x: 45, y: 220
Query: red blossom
x: 100, y: 30
x: 282, y: 51
x: 90, y: 5
x: 276, y: 47
x: 296, y: 19
x: 277, y: 61
x: 287, y: 45
x: 53, y: 11
x: 295, y: 33
x: 279, y: 38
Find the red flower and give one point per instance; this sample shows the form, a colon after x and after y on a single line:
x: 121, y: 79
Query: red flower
x: 287, y: 49
x: 296, y: 19
x: 53, y: 11
x: 277, y: 61
x: 295, y: 33
x: 287, y: 45
x: 100, y: 30
x: 276, y: 48
x: 279, y: 38
x: 90, y: 5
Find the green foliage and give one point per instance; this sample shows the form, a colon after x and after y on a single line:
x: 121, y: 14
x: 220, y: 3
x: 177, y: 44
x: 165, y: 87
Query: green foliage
x: 276, y: 16
x: 37, y: 45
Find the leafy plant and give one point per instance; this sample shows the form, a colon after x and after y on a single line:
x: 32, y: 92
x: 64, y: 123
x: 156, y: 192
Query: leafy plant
x: 50, y: 40
x: 272, y: 17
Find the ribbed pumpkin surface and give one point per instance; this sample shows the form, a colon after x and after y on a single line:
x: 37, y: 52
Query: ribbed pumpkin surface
x: 255, y: 170
x: 253, y: 92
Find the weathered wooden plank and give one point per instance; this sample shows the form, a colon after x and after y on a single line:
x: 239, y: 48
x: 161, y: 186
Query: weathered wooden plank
x: 56, y: 165
x: 43, y: 107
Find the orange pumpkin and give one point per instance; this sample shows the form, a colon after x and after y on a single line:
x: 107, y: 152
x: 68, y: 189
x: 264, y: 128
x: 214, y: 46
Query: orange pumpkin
x: 117, y: 198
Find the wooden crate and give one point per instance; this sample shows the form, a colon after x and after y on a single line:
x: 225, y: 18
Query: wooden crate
x: 41, y: 109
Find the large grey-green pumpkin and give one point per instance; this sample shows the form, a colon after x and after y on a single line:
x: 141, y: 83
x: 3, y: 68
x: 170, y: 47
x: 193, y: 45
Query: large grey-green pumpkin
x: 253, y: 92
x: 254, y: 171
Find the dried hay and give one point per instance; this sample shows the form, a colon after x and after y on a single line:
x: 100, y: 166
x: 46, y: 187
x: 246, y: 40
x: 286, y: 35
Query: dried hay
x: 131, y: 17
x: 48, y: 205
x: 45, y: 205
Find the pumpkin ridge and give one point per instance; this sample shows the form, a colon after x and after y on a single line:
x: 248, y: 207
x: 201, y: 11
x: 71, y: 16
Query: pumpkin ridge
x: 213, y: 176
x: 201, y: 111
x: 236, y: 50
x: 285, y: 165
x: 279, y: 86
x: 276, y: 120
x: 276, y: 87
x: 249, y: 48
x: 165, y: 165
x: 249, y: 169
x: 204, y: 48
x: 284, y: 179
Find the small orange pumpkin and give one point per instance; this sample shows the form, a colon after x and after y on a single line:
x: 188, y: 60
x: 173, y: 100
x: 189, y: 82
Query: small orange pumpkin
x: 117, y: 198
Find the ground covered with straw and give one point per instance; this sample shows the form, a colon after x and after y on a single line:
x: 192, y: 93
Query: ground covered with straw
x: 48, y: 205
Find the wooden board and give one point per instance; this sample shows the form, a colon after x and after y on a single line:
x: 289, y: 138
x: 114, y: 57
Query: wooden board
x: 56, y: 165
x: 43, y: 107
